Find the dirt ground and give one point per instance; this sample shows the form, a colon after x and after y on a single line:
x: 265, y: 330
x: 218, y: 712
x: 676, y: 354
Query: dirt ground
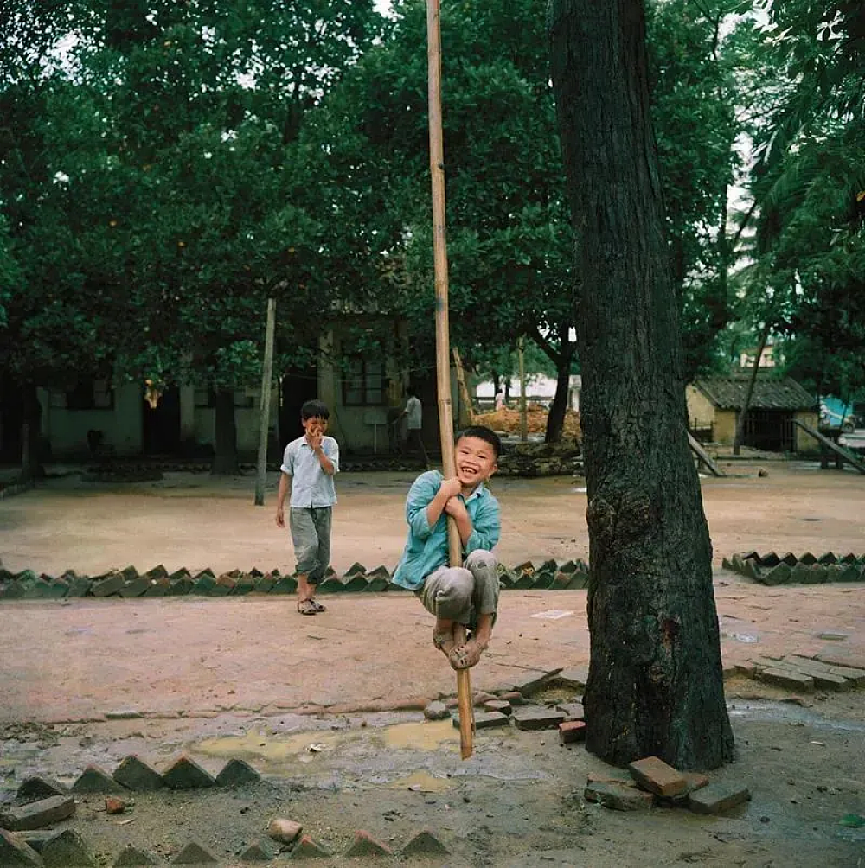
x: 248, y: 677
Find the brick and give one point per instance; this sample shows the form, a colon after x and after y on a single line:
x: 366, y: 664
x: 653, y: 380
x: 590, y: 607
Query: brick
x: 436, y: 711
x: 66, y: 850
x: 237, y: 773
x: 185, y: 774
x: 654, y: 775
x: 131, y: 856
x: 134, y: 774
x: 787, y: 678
x: 486, y: 719
x: 572, y: 710
x: 572, y: 731
x: 500, y: 705
x: 612, y: 776
x: 193, y: 854
x: 14, y: 852
x: 34, y: 788
x: 619, y: 797
x: 307, y: 848
x: 532, y: 717
x: 38, y: 815
x: 365, y: 846
x: 114, y: 805
x: 283, y: 830
x: 718, y: 798
x: 512, y: 696
x: 425, y: 843
x: 480, y: 697
x: 94, y: 780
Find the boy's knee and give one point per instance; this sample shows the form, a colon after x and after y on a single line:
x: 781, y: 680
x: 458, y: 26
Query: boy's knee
x: 481, y: 558
x: 453, y: 596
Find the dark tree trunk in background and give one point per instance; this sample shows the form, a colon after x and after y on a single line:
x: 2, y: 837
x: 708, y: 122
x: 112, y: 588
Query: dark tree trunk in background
x: 655, y: 683
x: 31, y: 436
x: 559, y: 407
x: 739, y: 436
x: 225, y: 458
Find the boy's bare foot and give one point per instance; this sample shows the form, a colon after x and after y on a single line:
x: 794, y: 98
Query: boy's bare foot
x: 444, y: 641
x: 465, y: 656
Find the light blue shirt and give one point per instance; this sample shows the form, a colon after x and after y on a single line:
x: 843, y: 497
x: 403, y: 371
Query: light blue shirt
x: 427, y: 547
x: 310, y: 485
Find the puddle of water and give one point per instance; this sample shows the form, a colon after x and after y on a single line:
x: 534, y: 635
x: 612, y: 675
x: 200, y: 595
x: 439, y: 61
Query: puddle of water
x: 273, y: 748
x: 423, y: 782
x: 428, y: 735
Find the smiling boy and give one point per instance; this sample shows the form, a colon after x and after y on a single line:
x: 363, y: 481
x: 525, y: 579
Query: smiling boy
x: 461, y: 598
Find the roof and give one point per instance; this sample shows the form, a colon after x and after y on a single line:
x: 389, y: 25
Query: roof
x: 771, y: 392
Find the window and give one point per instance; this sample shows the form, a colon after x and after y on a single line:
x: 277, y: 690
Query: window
x: 207, y: 398
x: 363, y: 384
x: 90, y: 395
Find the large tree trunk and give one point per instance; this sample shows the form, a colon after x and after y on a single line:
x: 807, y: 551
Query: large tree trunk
x: 225, y: 458
x: 559, y: 407
x: 31, y: 436
x: 655, y: 683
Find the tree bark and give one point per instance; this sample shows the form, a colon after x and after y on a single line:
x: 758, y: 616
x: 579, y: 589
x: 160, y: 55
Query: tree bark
x: 655, y: 684
x: 559, y: 407
x: 749, y: 392
x: 225, y: 457
x: 31, y: 436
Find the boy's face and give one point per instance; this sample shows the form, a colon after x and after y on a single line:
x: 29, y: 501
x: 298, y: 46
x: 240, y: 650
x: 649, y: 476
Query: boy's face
x: 475, y: 460
x: 315, y: 425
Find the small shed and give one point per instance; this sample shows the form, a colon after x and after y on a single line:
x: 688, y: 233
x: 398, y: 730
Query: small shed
x: 714, y: 403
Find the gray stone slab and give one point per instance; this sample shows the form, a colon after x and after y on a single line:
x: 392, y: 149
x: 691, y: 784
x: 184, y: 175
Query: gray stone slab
x: 533, y: 717
x: 718, y: 798
x: 38, y: 815
x: 619, y: 797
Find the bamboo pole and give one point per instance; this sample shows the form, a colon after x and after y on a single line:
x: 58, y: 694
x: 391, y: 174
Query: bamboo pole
x: 465, y: 415
x: 443, y: 373
x: 266, y: 387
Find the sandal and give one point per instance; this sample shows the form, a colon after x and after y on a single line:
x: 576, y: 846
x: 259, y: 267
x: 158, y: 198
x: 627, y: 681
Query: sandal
x: 319, y: 607
x: 306, y: 607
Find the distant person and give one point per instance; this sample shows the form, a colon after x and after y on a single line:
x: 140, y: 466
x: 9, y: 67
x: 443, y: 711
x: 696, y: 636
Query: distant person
x: 462, y: 598
x: 500, y: 400
x: 308, y: 467
x: 413, y: 414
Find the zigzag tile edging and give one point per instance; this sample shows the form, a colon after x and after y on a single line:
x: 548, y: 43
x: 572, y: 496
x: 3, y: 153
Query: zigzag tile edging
x: 790, y: 569
x: 158, y: 582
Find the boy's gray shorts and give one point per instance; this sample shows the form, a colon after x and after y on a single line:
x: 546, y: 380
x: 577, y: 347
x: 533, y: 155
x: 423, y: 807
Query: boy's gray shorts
x: 462, y: 593
x: 310, y: 536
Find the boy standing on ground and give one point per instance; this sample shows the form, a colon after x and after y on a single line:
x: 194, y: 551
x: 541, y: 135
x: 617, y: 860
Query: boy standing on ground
x: 308, y: 468
x: 413, y: 414
x: 461, y: 598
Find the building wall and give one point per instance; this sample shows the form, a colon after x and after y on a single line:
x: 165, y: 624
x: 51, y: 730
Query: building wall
x: 725, y: 427
x: 701, y: 411
x: 803, y: 441
x: 67, y: 429
x: 246, y: 419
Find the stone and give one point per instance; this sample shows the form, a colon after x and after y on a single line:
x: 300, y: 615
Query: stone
x: 131, y: 856
x: 787, y: 678
x: 309, y: 849
x: 480, y: 697
x: 237, y: 773
x: 425, y: 843
x: 572, y: 731
x: 134, y: 774
x: 34, y: 788
x: 854, y: 676
x: 575, y: 677
x: 612, y: 776
x: 38, y: 815
x: 94, y: 780
x: 436, y: 711
x: 37, y: 838
x: 500, y: 705
x: 14, y: 852
x: 256, y: 853
x: 572, y: 710
x: 283, y: 830
x: 123, y: 714
x: 486, y: 719
x: 533, y: 683
x: 364, y: 846
x: 718, y: 798
x: 830, y: 636
x: 66, y: 850
x: 158, y: 588
x: 186, y: 774
x: 532, y: 717
x: 193, y: 854
x: 619, y: 797
x: 113, y: 805
x: 654, y: 775
x: 512, y: 696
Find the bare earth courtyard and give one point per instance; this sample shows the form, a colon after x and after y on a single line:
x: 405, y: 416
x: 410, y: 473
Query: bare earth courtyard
x: 91, y: 681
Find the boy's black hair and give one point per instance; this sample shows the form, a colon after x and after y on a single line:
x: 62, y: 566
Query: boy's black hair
x: 482, y: 433
x: 314, y: 409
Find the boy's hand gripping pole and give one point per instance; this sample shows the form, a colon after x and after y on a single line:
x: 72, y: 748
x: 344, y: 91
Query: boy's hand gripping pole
x: 443, y: 378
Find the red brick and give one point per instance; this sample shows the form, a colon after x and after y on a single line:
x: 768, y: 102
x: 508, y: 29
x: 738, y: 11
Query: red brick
x: 113, y: 805
x: 572, y: 731
x: 654, y: 775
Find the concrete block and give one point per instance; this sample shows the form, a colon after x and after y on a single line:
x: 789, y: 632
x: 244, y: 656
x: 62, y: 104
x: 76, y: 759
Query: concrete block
x: 193, y: 854
x: 134, y: 774
x: 307, y: 848
x: 365, y: 846
x: 34, y: 788
x: 130, y: 857
x: 67, y: 850
x: 237, y: 773
x: 425, y: 844
x: 572, y: 731
x: 185, y: 774
x: 94, y: 780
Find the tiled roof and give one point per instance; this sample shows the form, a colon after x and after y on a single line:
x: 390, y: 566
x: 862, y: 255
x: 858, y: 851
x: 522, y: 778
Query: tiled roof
x: 771, y: 392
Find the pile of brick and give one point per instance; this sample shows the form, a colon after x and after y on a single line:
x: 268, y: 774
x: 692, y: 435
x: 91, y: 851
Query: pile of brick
x: 790, y: 569
x: 158, y: 582
x: 651, y: 781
